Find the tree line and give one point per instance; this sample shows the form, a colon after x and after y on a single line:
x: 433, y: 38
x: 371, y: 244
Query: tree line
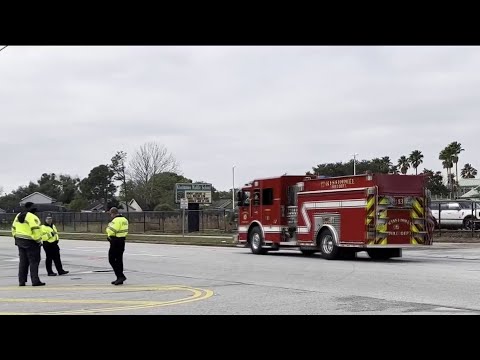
x: 449, y: 157
x: 149, y: 177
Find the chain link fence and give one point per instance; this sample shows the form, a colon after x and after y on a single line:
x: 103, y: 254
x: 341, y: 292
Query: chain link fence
x: 166, y: 222
x: 458, y: 215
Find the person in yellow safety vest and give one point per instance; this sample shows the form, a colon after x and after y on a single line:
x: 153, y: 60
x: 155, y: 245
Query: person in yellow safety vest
x: 28, y: 238
x: 117, y: 231
x: 50, y: 245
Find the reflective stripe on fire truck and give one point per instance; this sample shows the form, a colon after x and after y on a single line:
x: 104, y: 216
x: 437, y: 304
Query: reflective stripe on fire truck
x: 370, y: 209
x: 418, y: 219
x: 381, y: 228
x: 265, y: 228
x: 370, y: 218
x: 331, y: 204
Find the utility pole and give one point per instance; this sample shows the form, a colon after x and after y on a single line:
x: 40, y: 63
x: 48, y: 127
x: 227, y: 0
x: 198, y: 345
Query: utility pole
x: 233, y: 188
x: 354, y: 163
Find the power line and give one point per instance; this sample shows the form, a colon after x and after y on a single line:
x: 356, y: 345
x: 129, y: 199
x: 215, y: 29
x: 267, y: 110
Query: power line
x: 3, y: 47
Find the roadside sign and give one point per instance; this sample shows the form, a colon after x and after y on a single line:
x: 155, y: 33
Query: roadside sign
x: 184, y: 203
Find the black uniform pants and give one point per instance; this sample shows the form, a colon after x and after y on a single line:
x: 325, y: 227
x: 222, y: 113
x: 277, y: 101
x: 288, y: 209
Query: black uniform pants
x: 115, y: 255
x: 52, y: 252
x: 29, y: 253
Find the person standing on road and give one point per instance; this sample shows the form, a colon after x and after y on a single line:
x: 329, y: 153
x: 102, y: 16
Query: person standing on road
x: 50, y: 245
x: 117, y: 231
x: 28, y: 238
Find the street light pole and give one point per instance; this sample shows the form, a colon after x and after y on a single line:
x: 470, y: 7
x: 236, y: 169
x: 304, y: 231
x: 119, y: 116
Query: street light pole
x: 233, y: 188
x: 354, y: 163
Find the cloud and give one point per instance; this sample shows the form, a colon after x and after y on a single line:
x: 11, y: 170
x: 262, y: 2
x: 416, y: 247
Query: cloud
x: 268, y: 110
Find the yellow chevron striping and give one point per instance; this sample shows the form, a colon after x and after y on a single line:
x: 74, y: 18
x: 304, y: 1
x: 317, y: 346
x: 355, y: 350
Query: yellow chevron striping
x: 382, y: 227
x: 370, y: 202
x: 383, y: 201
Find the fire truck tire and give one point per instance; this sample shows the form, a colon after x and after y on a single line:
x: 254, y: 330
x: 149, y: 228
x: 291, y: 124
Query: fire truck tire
x: 328, y: 248
x: 256, y: 241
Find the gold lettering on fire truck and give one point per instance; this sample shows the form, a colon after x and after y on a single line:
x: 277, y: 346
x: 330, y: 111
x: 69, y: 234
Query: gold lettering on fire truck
x: 337, y: 183
x: 396, y: 224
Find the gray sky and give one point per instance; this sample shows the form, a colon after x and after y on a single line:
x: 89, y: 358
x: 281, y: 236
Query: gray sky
x: 268, y: 110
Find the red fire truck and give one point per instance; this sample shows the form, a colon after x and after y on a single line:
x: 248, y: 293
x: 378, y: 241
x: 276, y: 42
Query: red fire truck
x: 336, y: 216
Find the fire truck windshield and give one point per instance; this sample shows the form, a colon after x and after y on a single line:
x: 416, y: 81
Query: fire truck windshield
x: 243, y: 198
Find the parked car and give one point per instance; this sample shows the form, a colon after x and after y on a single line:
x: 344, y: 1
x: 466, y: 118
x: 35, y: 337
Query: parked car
x: 456, y: 213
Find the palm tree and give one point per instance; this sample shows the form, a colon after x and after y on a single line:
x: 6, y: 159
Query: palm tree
x: 456, y: 150
x: 393, y: 169
x: 468, y: 172
x: 403, y: 164
x: 416, y: 158
x: 446, y: 155
x: 387, y: 163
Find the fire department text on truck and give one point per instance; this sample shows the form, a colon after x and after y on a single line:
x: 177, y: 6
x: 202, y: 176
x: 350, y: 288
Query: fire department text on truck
x: 337, y: 184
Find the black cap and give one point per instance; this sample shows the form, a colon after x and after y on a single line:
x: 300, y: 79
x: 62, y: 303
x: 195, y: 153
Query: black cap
x: 28, y: 205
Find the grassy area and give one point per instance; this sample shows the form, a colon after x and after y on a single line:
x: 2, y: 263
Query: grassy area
x: 149, y: 238
x: 206, y: 239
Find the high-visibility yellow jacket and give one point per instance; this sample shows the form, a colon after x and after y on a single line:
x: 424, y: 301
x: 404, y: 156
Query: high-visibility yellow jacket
x: 27, y: 226
x: 118, y: 227
x: 49, y: 233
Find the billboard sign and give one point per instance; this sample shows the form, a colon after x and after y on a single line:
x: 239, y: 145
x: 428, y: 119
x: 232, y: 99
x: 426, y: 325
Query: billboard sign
x: 194, y: 193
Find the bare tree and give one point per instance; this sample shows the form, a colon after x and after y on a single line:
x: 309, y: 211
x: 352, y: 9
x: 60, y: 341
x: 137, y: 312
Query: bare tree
x: 151, y: 159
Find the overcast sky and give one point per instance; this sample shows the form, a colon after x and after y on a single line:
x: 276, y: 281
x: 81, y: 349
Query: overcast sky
x: 268, y: 110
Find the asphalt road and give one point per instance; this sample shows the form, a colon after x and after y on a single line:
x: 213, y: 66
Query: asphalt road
x: 169, y: 279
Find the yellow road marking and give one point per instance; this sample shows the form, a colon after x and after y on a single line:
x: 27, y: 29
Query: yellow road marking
x: 197, y: 294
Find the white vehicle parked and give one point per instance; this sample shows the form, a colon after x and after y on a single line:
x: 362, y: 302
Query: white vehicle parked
x: 457, y: 214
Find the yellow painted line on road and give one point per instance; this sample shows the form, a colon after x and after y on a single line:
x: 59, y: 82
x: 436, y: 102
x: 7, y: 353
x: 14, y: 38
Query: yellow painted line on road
x: 197, y: 294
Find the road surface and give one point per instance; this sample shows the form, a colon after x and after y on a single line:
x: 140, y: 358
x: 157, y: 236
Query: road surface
x: 179, y: 279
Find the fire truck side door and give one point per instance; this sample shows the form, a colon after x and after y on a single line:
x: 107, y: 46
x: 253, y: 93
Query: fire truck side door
x: 256, y: 201
x: 244, y: 207
x: 268, y: 215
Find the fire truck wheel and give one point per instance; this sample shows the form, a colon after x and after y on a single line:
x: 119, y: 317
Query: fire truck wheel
x: 256, y: 241
x: 327, y: 245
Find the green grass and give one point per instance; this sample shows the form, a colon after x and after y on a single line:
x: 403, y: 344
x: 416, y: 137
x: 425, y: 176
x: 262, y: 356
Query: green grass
x: 226, y: 240
x: 147, y: 238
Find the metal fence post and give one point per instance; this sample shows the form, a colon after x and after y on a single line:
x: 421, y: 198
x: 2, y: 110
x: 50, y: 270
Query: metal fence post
x: 474, y: 222
x: 439, y: 220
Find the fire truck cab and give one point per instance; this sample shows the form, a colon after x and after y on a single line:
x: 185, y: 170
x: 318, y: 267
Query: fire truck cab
x: 336, y: 216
